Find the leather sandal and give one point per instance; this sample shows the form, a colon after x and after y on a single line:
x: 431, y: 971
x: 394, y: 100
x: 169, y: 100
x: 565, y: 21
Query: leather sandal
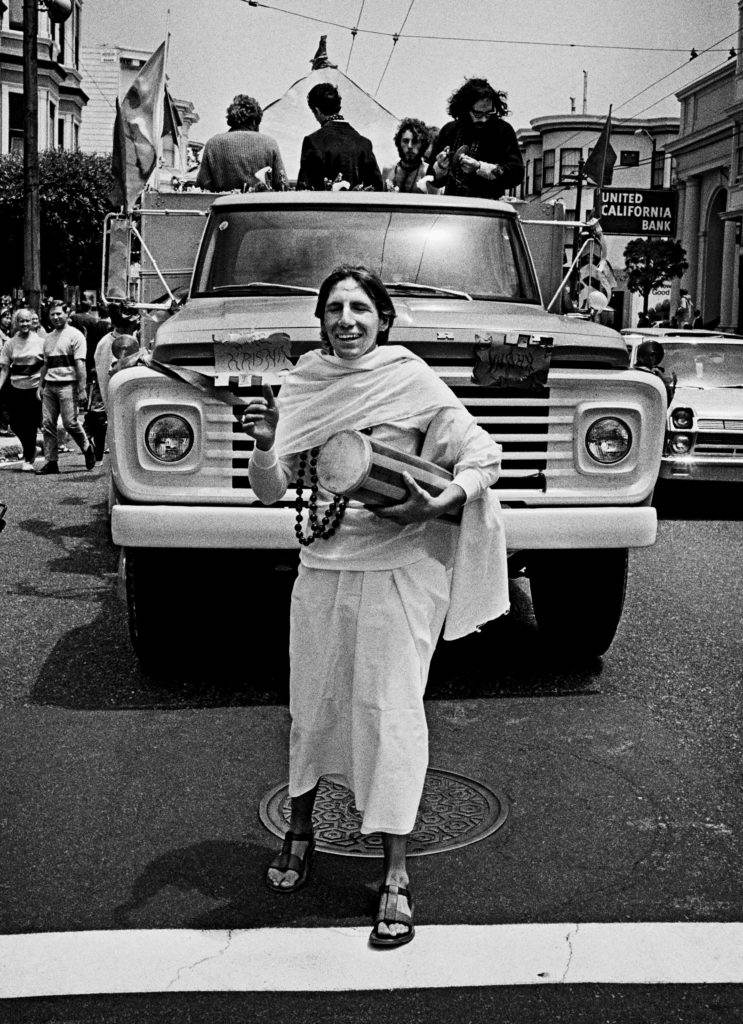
x: 288, y: 861
x: 389, y: 898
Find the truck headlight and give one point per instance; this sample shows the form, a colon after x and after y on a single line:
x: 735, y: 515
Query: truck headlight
x: 679, y: 444
x: 682, y: 418
x: 169, y: 438
x: 608, y: 440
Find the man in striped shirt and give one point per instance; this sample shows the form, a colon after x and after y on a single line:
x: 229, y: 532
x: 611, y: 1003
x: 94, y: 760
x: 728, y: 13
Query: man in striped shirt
x: 230, y: 160
x: 63, y: 383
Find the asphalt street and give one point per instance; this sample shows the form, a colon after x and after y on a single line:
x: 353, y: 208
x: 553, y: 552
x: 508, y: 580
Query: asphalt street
x: 131, y: 803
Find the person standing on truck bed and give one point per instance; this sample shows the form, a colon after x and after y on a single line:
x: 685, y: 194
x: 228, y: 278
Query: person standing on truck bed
x: 477, y: 154
x: 230, y: 160
x: 371, y: 597
x: 411, y: 141
x: 336, y: 151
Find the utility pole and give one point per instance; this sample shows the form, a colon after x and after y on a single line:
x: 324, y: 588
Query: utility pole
x: 32, y: 219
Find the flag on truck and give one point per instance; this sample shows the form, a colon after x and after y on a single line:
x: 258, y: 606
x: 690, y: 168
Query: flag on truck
x: 137, y: 131
x: 600, y: 163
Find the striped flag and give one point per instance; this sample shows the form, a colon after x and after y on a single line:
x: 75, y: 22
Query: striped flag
x: 137, y: 131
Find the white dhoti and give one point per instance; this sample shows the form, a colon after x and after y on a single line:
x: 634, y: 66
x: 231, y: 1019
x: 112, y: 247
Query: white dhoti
x: 361, y: 646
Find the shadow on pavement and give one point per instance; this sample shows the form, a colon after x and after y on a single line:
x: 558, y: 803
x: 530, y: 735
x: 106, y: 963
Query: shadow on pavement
x: 231, y: 874
x: 238, y: 655
x: 695, y: 500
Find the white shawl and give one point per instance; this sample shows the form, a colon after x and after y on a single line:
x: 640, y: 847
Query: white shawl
x: 324, y: 394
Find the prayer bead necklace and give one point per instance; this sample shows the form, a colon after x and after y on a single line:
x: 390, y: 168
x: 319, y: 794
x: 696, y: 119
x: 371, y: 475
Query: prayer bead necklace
x: 320, y: 529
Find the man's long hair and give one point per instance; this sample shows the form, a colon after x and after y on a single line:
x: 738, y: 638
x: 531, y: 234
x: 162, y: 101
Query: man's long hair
x: 417, y: 128
x: 464, y: 98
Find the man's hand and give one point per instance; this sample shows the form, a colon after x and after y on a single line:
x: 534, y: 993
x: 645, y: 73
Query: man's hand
x: 468, y: 164
x: 259, y: 418
x: 441, y: 164
x: 418, y: 507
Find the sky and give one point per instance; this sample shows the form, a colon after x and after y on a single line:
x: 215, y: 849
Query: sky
x: 224, y: 47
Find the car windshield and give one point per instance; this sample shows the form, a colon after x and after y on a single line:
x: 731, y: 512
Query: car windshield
x: 705, y: 365
x: 423, y: 253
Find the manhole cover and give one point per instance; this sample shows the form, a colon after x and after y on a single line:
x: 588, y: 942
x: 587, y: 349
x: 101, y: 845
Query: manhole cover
x: 454, y: 812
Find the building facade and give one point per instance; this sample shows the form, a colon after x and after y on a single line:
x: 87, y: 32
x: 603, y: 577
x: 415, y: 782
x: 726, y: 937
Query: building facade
x: 709, y: 157
x: 109, y: 71
x: 554, y: 145
x: 61, y: 95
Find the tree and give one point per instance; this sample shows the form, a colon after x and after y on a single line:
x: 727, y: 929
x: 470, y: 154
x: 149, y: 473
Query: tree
x: 652, y: 262
x: 74, y: 193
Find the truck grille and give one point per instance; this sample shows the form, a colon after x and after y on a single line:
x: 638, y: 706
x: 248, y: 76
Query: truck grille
x: 534, y: 431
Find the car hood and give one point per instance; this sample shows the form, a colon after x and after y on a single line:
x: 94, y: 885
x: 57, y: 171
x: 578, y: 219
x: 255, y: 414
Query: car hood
x: 720, y: 403
x: 439, y: 321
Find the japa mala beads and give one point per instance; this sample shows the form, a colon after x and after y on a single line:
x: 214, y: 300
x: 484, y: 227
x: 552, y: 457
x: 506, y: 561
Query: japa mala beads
x: 320, y: 528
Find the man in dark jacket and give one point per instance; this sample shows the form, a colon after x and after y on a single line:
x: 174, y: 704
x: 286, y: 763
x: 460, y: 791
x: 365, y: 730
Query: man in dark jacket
x: 477, y: 154
x: 335, y: 153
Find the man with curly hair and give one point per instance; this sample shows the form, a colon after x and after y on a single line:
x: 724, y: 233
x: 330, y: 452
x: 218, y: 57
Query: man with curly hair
x: 411, y: 140
x: 477, y: 153
x: 230, y: 160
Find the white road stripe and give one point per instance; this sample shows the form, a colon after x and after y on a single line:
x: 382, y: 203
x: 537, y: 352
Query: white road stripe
x: 340, y: 959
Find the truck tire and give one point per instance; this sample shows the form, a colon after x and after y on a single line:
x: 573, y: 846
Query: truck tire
x: 209, y: 591
x: 578, y: 596
x: 152, y: 581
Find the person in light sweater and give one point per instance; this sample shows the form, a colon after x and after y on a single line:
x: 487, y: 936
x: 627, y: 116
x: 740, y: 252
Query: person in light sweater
x: 395, y: 573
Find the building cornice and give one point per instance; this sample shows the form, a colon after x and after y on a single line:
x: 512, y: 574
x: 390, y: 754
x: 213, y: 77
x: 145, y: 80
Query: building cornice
x: 696, y: 140
x: 709, y: 79
x: 595, y: 122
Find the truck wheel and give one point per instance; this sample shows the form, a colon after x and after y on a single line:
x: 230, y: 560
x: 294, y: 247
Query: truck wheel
x: 578, y: 597
x: 152, y: 579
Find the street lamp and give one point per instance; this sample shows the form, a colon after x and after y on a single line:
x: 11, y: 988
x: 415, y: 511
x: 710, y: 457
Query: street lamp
x: 59, y: 11
x: 644, y: 131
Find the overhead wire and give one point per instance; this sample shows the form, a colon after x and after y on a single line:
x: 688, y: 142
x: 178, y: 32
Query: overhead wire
x: 395, y: 37
x: 354, y: 33
x: 474, y: 39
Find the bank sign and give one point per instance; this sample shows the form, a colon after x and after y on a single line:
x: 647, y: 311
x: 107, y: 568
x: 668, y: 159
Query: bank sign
x: 637, y: 211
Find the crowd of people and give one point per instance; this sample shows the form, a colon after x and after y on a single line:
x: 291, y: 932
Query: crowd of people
x: 54, y: 366
x: 474, y: 154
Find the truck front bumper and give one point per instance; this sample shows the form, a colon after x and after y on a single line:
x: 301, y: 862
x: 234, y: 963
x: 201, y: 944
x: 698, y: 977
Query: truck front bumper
x: 192, y: 526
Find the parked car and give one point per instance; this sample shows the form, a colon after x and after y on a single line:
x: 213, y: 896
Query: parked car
x: 704, y: 433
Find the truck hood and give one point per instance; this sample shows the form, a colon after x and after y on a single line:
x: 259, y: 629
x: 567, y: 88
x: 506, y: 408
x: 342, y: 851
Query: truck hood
x: 439, y: 321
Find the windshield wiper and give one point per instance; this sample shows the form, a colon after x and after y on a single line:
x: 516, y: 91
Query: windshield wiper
x: 434, y: 289
x: 728, y: 387
x: 238, y: 289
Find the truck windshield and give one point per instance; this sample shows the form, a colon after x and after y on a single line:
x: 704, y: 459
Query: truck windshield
x: 479, y: 256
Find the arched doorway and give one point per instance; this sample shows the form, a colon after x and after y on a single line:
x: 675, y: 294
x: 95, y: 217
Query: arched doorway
x: 713, y: 268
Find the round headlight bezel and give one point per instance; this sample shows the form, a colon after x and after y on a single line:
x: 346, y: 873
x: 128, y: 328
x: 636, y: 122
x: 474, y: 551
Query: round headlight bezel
x: 680, y: 439
x: 181, y: 424
x: 682, y: 418
x: 590, y: 440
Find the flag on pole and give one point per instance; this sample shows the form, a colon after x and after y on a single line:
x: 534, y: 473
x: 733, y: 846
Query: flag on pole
x: 600, y: 164
x: 137, y: 130
x: 172, y: 120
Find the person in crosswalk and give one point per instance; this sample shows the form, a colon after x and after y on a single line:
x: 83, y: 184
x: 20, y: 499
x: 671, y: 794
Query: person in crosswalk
x: 375, y: 586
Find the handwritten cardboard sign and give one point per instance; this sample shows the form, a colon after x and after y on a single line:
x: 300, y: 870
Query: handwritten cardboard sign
x: 251, y: 353
x: 512, y: 361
